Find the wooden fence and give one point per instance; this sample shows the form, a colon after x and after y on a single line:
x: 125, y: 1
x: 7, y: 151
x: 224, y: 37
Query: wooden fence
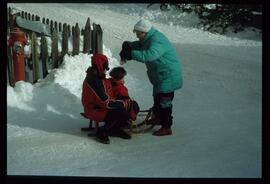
x: 40, y: 57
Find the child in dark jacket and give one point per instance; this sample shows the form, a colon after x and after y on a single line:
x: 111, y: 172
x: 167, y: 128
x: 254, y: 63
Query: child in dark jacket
x: 120, y: 91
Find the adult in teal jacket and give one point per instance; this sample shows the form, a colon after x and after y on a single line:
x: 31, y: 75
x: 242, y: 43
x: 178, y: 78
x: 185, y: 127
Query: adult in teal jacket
x: 163, y: 69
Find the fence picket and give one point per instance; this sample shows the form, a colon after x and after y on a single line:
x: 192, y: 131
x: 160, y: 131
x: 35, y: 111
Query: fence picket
x: 51, y: 26
x: 68, y: 30
x: 10, y: 67
x: 9, y: 11
x: 55, y: 49
x: 37, y: 18
x: 35, y: 58
x: 55, y: 25
x: 94, y: 39
x: 87, y: 37
x: 60, y: 27
x: 64, y: 42
x: 12, y: 20
x: 44, y: 55
x: 76, y: 39
x: 99, y: 40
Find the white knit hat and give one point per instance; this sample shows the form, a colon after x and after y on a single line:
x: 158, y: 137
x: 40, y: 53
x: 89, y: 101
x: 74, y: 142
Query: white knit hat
x: 143, y: 26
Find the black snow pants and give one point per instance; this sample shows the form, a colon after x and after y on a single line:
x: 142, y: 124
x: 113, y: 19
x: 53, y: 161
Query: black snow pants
x: 115, y: 120
x: 163, y: 108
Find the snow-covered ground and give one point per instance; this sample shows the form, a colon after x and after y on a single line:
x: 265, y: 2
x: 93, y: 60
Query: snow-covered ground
x: 217, y: 113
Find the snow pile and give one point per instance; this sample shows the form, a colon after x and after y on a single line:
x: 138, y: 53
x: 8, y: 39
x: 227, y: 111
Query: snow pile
x: 20, y: 95
x: 72, y: 72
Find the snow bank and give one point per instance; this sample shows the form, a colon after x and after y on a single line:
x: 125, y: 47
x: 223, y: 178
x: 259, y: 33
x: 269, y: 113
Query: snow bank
x: 20, y: 95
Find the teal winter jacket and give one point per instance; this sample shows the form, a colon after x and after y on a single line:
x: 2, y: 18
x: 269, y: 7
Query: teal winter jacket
x: 161, y: 60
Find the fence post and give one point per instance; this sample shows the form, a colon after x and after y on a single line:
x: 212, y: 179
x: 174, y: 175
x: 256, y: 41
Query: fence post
x: 51, y: 26
x: 68, y: 30
x: 8, y: 19
x: 76, y: 39
x: 44, y: 55
x: 10, y: 67
x: 54, y: 49
x: 9, y: 53
x: 87, y: 37
x: 35, y: 58
x: 37, y: 18
x: 60, y: 27
x: 22, y: 14
x: 12, y: 21
x: 99, y: 41
x: 55, y: 25
x: 64, y: 42
x: 94, y: 39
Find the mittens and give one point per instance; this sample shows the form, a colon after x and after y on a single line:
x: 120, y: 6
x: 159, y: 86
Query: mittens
x: 125, y: 53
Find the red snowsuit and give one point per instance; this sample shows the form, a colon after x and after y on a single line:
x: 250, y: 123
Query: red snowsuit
x: 120, y: 92
x: 94, y: 106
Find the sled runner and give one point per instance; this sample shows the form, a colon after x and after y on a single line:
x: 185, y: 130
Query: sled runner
x: 143, y: 123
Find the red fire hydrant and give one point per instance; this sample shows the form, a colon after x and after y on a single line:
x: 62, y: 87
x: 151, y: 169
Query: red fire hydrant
x: 17, y: 40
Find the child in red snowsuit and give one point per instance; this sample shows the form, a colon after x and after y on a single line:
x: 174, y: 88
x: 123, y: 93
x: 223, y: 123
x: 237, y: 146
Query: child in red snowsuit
x: 117, y: 80
x: 99, y: 103
x: 120, y: 91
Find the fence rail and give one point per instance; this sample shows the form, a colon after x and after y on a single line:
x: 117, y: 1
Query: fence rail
x: 41, y: 58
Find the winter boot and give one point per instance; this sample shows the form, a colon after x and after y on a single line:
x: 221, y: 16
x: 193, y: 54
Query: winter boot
x: 102, y: 136
x: 163, y: 131
x: 166, y: 122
